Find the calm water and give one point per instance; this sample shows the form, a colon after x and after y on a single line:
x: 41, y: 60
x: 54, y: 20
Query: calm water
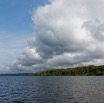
x: 32, y: 89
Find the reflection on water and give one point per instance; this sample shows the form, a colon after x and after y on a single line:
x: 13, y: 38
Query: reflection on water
x: 61, y: 89
x: 95, y: 95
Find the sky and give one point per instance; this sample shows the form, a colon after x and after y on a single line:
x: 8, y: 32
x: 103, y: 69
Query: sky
x: 15, y: 27
x: 43, y: 34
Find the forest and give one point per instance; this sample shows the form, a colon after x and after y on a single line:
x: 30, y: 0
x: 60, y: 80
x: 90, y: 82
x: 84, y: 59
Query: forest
x: 90, y: 70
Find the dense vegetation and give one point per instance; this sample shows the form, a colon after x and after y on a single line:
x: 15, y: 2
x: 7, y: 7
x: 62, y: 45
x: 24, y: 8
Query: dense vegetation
x: 78, y: 71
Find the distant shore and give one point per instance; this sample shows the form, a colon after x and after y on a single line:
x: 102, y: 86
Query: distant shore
x: 90, y: 70
x: 18, y: 74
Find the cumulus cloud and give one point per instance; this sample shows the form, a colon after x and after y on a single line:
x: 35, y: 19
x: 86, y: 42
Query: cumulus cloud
x: 66, y: 33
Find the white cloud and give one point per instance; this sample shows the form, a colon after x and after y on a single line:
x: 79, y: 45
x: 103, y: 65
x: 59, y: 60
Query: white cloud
x: 66, y: 33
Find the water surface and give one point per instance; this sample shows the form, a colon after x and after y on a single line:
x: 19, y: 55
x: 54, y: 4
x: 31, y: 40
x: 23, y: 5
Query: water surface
x: 51, y: 89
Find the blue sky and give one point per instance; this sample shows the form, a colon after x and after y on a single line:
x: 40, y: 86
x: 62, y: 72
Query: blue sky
x: 15, y: 15
x: 15, y: 27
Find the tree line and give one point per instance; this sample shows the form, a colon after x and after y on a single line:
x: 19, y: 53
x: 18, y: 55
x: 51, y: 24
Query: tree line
x: 77, y: 71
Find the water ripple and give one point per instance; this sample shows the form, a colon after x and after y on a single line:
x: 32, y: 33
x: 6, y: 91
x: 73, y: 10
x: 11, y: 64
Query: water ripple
x: 34, y: 89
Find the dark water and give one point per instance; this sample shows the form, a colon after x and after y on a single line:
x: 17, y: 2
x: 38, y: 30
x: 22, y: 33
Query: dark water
x: 32, y: 89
